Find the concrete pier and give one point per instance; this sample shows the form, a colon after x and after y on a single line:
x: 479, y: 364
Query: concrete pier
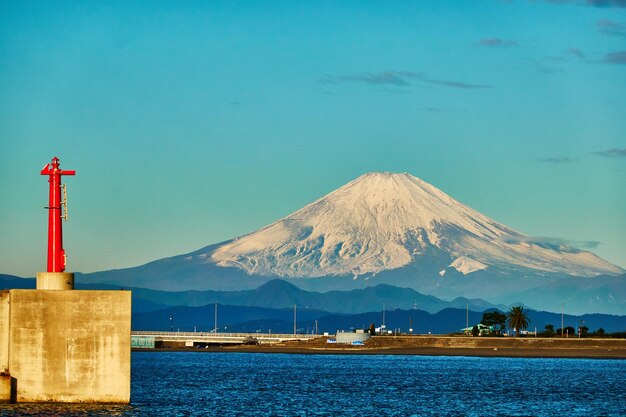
x: 57, y: 344
x: 65, y: 346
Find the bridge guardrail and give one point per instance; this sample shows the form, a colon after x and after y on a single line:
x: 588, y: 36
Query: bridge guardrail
x: 223, y: 335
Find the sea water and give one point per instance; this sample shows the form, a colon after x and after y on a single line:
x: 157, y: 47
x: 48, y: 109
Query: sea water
x: 254, y: 384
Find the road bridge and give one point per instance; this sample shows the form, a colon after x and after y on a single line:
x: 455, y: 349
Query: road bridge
x: 149, y: 339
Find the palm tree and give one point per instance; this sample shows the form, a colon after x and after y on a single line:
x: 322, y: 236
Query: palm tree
x: 517, y: 319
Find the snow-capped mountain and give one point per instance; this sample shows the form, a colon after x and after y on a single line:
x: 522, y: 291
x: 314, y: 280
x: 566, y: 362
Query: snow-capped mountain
x: 385, y: 221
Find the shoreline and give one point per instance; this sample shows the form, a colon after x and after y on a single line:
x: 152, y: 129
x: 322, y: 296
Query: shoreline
x: 435, y: 346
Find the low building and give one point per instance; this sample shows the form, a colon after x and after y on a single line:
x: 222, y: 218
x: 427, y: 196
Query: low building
x: 483, y: 330
x: 349, y: 337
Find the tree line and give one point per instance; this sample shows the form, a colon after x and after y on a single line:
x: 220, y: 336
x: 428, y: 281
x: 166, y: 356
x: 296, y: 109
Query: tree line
x: 517, y: 320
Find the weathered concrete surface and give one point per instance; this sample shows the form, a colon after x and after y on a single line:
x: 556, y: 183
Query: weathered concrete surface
x: 6, y: 394
x: 7, y: 389
x: 4, y: 332
x: 55, y: 281
x: 70, y: 346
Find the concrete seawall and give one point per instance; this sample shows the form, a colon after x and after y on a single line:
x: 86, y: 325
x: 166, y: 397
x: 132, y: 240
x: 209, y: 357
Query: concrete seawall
x: 465, y: 342
x: 447, y: 346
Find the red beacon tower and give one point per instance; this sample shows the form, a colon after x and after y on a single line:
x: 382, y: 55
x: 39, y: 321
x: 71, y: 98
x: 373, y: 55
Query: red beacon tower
x: 55, y: 277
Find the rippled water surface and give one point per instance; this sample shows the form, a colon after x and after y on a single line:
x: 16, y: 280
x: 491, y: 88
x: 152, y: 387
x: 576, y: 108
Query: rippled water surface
x: 196, y: 384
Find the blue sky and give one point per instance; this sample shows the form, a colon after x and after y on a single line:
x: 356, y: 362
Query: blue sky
x: 190, y: 123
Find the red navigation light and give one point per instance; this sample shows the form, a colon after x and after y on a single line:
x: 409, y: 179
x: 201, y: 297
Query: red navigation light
x: 56, y: 254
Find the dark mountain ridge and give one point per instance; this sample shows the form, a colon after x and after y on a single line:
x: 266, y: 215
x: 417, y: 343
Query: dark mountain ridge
x: 279, y: 294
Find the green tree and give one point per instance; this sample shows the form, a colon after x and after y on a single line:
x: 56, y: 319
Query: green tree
x: 549, y: 330
x: 568, y: 331
x: 494, y: 318
x: 475, y: 330
x: 517, y: 319
x: 372, y: 329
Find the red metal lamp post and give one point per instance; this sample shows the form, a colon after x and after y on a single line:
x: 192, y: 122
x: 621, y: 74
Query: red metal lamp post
x: 56, y: 253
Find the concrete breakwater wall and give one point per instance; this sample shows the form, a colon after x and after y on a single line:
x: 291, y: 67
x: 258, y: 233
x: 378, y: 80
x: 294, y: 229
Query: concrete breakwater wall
x: 67, y: 346
x: 477, y: 342
x: 464, y: 342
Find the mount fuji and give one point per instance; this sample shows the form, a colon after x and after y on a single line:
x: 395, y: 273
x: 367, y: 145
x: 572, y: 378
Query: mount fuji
x: 384, y: 221
x: 394, y: 229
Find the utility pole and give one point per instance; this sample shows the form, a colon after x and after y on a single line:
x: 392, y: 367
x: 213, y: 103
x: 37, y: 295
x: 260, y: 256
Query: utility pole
x: 215, y: 327
x: 383, y: 326
x: 580, y: 328
x: 294, y: 320
x: 466, y: 316
x: 562, y: 313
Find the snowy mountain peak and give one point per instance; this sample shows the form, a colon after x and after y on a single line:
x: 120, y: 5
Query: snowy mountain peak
x: 384, y: 221
x: 401, y: 202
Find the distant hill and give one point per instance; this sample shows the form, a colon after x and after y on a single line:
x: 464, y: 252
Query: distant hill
x: 256, y: 319
x: 11, y: 281
x: 271, y: 307
x: 203, y: 318
x: 279, y: 294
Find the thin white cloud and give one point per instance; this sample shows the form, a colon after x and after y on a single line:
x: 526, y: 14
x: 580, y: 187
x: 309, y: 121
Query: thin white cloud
x: 496, y: 43
x: 399, y: 79
x: 555, y: 160
x: 612, y: 28
x: 612, y: 153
